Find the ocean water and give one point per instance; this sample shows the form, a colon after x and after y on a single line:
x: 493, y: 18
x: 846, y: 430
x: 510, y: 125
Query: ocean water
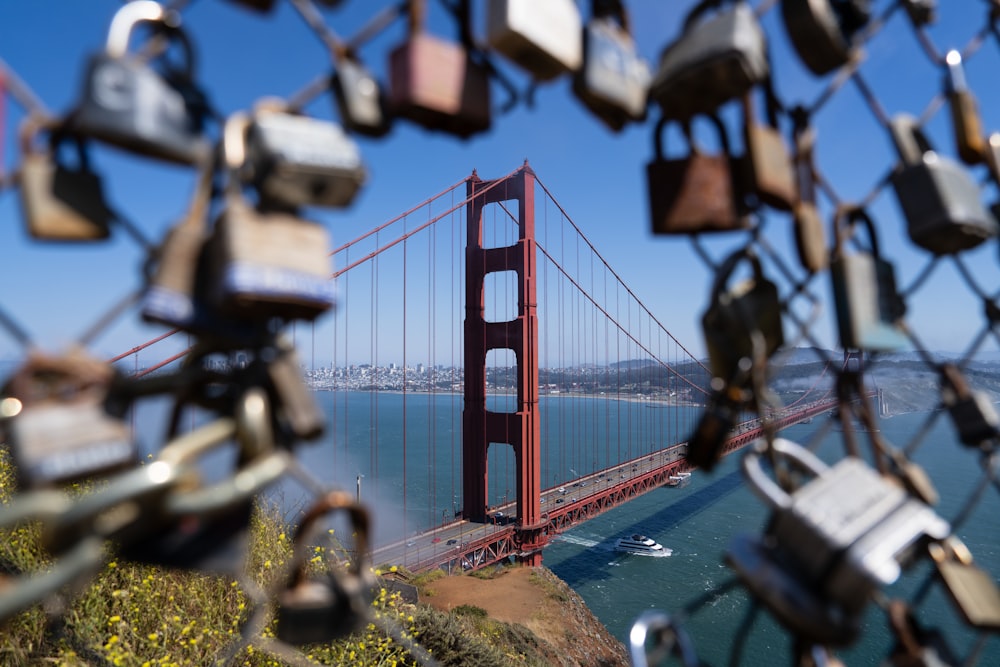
x: 411, y: 481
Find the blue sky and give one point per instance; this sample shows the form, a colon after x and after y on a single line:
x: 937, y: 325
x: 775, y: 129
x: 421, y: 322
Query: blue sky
x: 597, y: 175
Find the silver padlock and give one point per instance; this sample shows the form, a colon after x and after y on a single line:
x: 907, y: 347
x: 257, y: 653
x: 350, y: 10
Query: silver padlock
x: 848, y: 530
x: 940, y: 201
x: 971, y: 411
x: 613, y: 82
x: 295, y: 160
x: 543, y: 38
x: 127, y: 103
x: 713, y: 61
x: 822, y: 32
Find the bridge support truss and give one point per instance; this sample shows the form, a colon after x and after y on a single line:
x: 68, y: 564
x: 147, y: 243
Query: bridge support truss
x: 480, y: 426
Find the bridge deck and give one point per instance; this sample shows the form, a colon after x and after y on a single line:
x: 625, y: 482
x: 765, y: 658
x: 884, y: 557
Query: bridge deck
x: 467, y: 545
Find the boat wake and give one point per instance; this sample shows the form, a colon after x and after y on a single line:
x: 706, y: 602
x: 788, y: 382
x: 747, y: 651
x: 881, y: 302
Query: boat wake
x: 582, y: 541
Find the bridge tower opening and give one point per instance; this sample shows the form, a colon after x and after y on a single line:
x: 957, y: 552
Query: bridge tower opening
x: 480, y: 427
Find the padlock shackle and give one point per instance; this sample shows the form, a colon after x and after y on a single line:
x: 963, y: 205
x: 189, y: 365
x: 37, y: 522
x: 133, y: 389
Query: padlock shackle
x: 664, y: 120
x: 804, y: 139
x: 656, y: 624
x: 761, y: 484
x: 139, y: 11
x: 909, y: 139
x: 851, y: 215
x: 702, y: 7
x: 332, y: 502
x: 416, y: 16
x: 615, y: 9
x: 35, y: 124
x: 728, y: 266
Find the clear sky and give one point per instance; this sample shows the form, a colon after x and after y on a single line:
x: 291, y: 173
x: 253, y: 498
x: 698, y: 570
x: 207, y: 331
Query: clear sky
x: 597, y: 175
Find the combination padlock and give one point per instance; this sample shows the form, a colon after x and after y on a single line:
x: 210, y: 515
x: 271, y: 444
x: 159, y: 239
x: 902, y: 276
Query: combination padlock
x: 60, y: 202
x: 973, y: 590
x: 55, y: 422
x: 972, y: 412
x: 266, y: 264
x: 846, y: 532
x: 613, y: 82
x: 314, y: 610
x: 126, y: 103
x: 696, y: 193
x: 868, y: 305
x: 770, y: 177
x: 437, y: 84
x: 742, y: 322
x: 543, y: 38
x: 940, y: 201
x: 714, y: 60
x: 823, y: 32
x: 295, y: 160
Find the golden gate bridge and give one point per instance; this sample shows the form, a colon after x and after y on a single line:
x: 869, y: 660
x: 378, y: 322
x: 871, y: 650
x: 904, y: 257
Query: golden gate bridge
x: 497, y: 292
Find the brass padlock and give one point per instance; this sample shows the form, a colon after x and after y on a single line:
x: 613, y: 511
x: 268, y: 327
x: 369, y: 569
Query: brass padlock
x: 295, y: 160
x: 965, y: 121
x: 714, y: 60
x: 940, y: 201
x: 810, y: 237
x: 770, y: 166
x: 437, y: 84
x: 613, y: 82
x: 973, y: 590
x: 543, y: 38
x: 314, y: 610
x: 127, y: 103
x: 823, y: 32
x: 868, y: 305
x: 58, y: 202
x: 55, y: 421
x: 176, y: 291
x: 697, y: 193
x: 742, y: 322
x: 266, y: 264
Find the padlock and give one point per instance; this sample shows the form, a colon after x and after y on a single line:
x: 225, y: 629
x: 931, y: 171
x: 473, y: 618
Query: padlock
x: 656, y: 636
x: 916, y: 646
x: 973, y: 590
x: 770, y: 167
x: 848, y: 530
x: 705, y: 445
x: 262, y: 6
x: 697, y: 193
x: 176, y: 291
x: 294, y: 160
x: 59, y: 202
x: 938, y: 198
x: 266, y: 264
x: 922, y: 13
x: 742, y: 321
x: 126, y: 103
x: 810, y: 237
x: 823, y: 32
x: 543, y: 38
x: 972, y: 412
x: 713, y: 61
x: 437, y: 84
x: 613, y: 82
x: 294, y: 402
x: 868, y: 306
x: 56, y: 424
x: 965, y: 121
x: 312, y: 611
x: 768, y: 574
x: 361, y: 102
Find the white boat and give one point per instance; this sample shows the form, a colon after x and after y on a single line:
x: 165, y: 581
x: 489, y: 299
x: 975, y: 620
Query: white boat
x: 641, y: 546
x: 680, y: 479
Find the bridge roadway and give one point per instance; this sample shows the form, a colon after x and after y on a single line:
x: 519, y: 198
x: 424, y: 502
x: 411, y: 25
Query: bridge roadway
x: 468, y: 545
